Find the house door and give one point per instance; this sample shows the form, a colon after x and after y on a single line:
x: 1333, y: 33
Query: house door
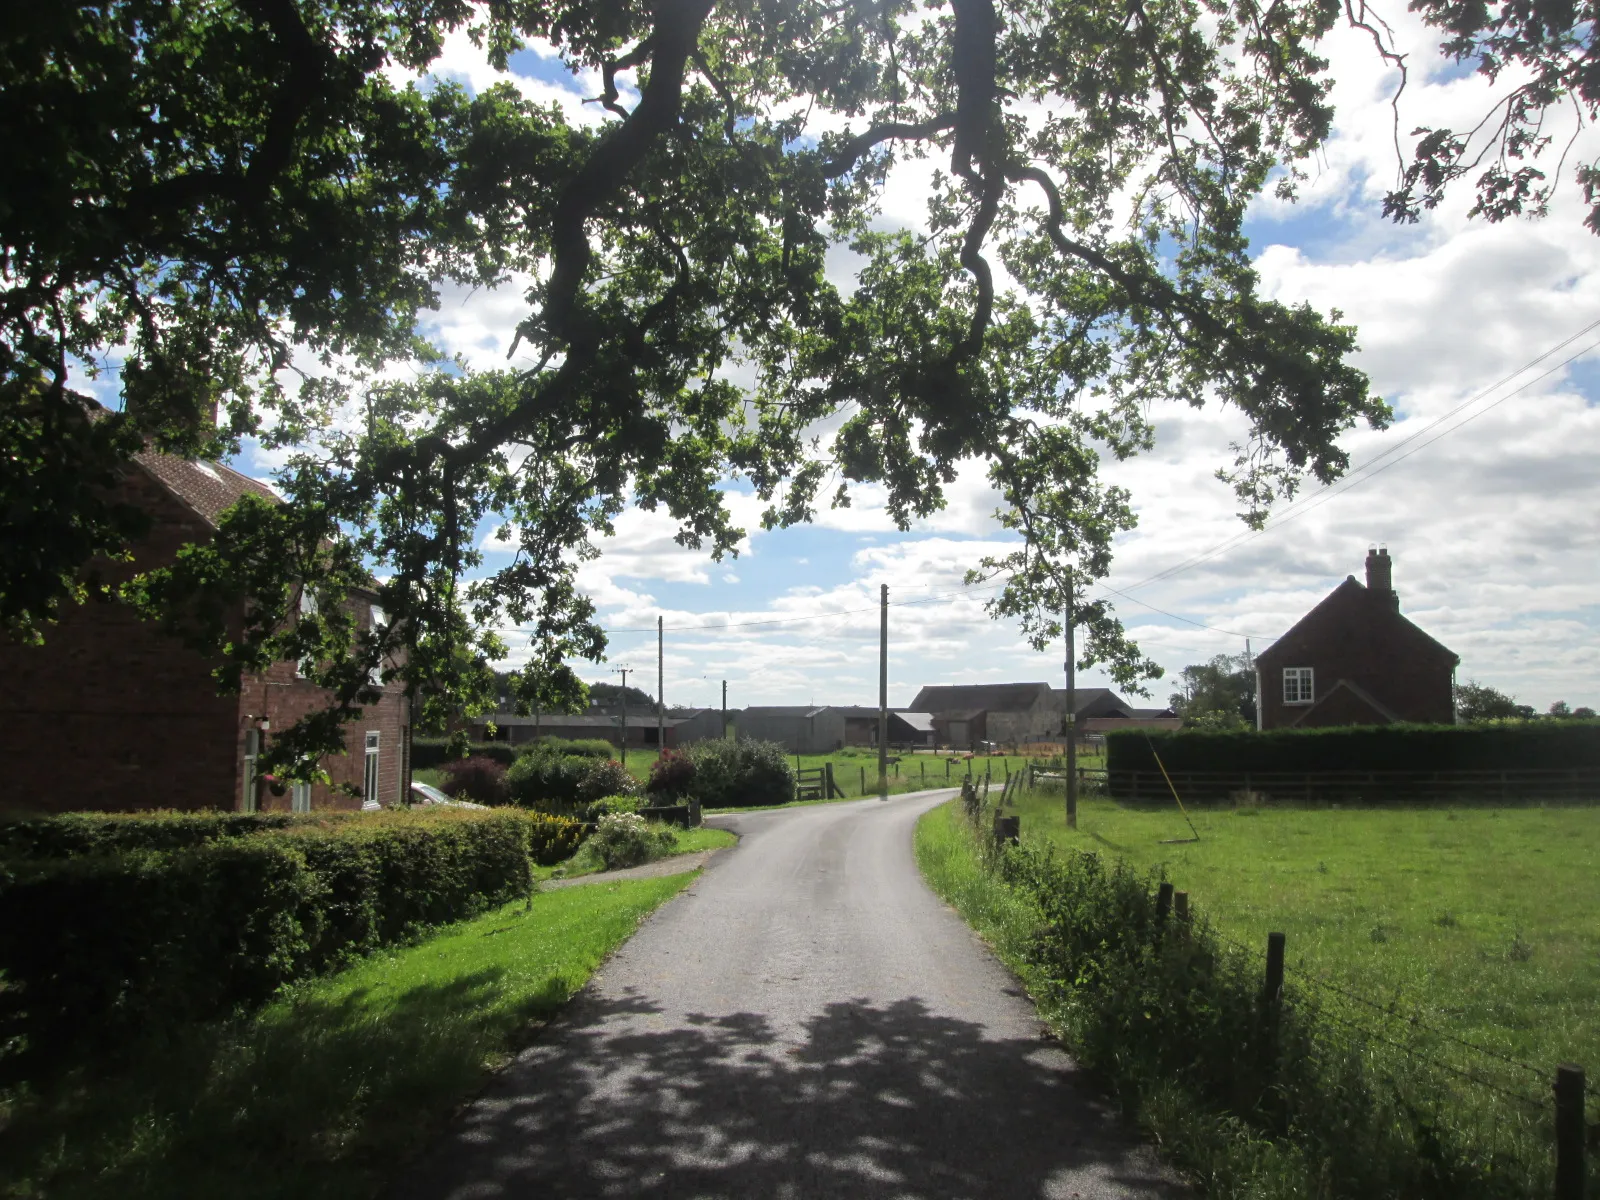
x: 247, y: 777
x: 369, y: 795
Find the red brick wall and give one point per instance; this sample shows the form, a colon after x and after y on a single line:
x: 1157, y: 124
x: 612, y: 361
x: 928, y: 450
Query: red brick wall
x: 1353, y: 635
x: 110, y: 713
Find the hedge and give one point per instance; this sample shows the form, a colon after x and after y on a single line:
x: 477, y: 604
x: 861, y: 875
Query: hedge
x: 743, y: 774
x: 67, y: 835
x: 98, y: 945
x: 1513, y: 746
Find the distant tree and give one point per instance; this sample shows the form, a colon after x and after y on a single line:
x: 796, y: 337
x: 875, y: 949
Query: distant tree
x: 1479, y: 702
x: 609, y: 695
x: 1562, y: 711
x: 1219, y: 694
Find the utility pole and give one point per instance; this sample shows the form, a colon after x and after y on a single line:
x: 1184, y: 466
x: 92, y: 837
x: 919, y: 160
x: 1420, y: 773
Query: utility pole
x: 1072, y: 715
x: 1255, y: 681
x: 724, y: 710
x: 883, y: 694
x: 661, y: 692
x: 624, y: 738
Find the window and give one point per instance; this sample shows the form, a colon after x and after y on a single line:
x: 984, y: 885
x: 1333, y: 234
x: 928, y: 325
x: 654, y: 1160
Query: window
x: 308, y: 608
x: 299, y: 796
x: 369, y: 794
x: 1297, y: 685
x: 252, y: 748
x: 380, y: 620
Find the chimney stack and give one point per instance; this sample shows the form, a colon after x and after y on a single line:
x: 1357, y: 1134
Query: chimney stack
x: 1380, y: 575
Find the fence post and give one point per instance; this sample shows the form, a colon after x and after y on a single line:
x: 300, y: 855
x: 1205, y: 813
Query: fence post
x: 947, y: 770
x: 969, y: 768
x: 1163, y: 901
x: 1180, y: 906
x: 1030, y: 774
x: 1570, y: 1171
x: 1272, y: 993
x: 863, y: 781
x: 924, y: 771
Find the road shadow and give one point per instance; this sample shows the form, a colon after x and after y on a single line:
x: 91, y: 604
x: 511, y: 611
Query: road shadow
x: 860, y: 1100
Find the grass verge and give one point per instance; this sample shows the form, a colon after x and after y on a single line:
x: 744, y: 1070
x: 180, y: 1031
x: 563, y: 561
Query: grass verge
x: 689, y: 841
x: 1294, y: 1105
x: 1476, y: 921
x: 326, y: 1091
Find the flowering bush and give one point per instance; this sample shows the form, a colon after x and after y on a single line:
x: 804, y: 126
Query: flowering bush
x: 479, y: 779
x: 671, y: 778
x: 607, y: 777
x: 606, y: 805
x: 627, y: 839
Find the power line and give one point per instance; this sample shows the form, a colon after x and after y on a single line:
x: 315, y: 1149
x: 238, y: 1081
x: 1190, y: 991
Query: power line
x: 1370, y: 467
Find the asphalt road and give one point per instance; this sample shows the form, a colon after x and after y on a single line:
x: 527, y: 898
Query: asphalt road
x: 806, y: 1020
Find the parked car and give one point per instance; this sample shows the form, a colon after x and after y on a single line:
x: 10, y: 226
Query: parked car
x: 426, y: 793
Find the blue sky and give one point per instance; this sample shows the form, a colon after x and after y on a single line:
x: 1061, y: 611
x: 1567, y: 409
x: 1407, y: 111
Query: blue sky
x: 1492, y: 527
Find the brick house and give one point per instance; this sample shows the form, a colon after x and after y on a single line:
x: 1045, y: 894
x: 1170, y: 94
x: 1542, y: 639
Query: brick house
x: 111, y: 713
x: 967, y: 714
x: 1354, y: 660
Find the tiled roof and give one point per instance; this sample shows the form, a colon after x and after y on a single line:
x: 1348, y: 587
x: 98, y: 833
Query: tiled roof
x: 994, y: 697
x: 208, y: 488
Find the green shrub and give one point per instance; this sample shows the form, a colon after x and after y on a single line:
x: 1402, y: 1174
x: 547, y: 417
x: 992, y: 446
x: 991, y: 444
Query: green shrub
x: 546, y: 780
x: 671, y: 777
x: 96, y: 945
x: 427, y: 753
x: 582, y: 747
x: 478, y: 779
x: 627, y: 840
x: 742, y: 774
x: 596, y: 809
x: 606, y: 777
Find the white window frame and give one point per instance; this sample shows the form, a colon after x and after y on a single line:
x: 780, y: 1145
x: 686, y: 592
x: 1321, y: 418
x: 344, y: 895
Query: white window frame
x: 308, y: 608
x: 369, y: 791
x: 299, y: 796
x: 247, y: 791
x: 1299, y: 685
x: 379, y: 620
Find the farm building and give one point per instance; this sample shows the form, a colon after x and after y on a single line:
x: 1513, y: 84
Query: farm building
x: 1354, y: 660
x: 1015, y: 713
x: 822, y: 729
x: 112, y: 713
x: 518, y: 730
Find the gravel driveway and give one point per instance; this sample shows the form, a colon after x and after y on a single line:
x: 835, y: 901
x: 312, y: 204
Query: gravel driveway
x: 807, y: 1020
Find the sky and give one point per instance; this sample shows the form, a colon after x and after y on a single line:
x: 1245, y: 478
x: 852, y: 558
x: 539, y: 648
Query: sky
x: 1484, y: 489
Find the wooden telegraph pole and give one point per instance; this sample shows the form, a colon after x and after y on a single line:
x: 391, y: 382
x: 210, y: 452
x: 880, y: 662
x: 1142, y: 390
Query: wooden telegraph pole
x: 1072, y: 716
x: 724, y: 710
x: 661, y: 693
x: 624, y: 738
x: 883, y: 693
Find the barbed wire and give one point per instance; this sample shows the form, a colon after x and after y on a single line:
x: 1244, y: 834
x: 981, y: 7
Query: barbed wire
x: 1394, y: 1010
x: 1539, y: 1105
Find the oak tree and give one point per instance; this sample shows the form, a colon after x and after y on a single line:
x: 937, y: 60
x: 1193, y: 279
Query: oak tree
x: 251, y: 204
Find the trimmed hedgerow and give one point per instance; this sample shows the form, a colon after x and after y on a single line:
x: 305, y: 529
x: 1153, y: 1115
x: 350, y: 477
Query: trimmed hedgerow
x: 1521, y: 745
x: 96, y: 945
x: 743, y: 774
x: 67, y: 835
x: 582, y: 747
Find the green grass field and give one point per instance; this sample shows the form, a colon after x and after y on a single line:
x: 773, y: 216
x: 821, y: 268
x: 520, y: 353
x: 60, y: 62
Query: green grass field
x: 327, y: 1092
x: 1482, y: 921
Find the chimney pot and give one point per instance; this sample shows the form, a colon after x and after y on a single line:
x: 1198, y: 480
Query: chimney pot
x: 1380, y: 576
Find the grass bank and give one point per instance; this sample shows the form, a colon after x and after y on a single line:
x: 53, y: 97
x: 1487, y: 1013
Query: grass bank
x: 1478, y: 922
x: 1170, y: 1017
x: 689, y: 841
x: 329, y: 1090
